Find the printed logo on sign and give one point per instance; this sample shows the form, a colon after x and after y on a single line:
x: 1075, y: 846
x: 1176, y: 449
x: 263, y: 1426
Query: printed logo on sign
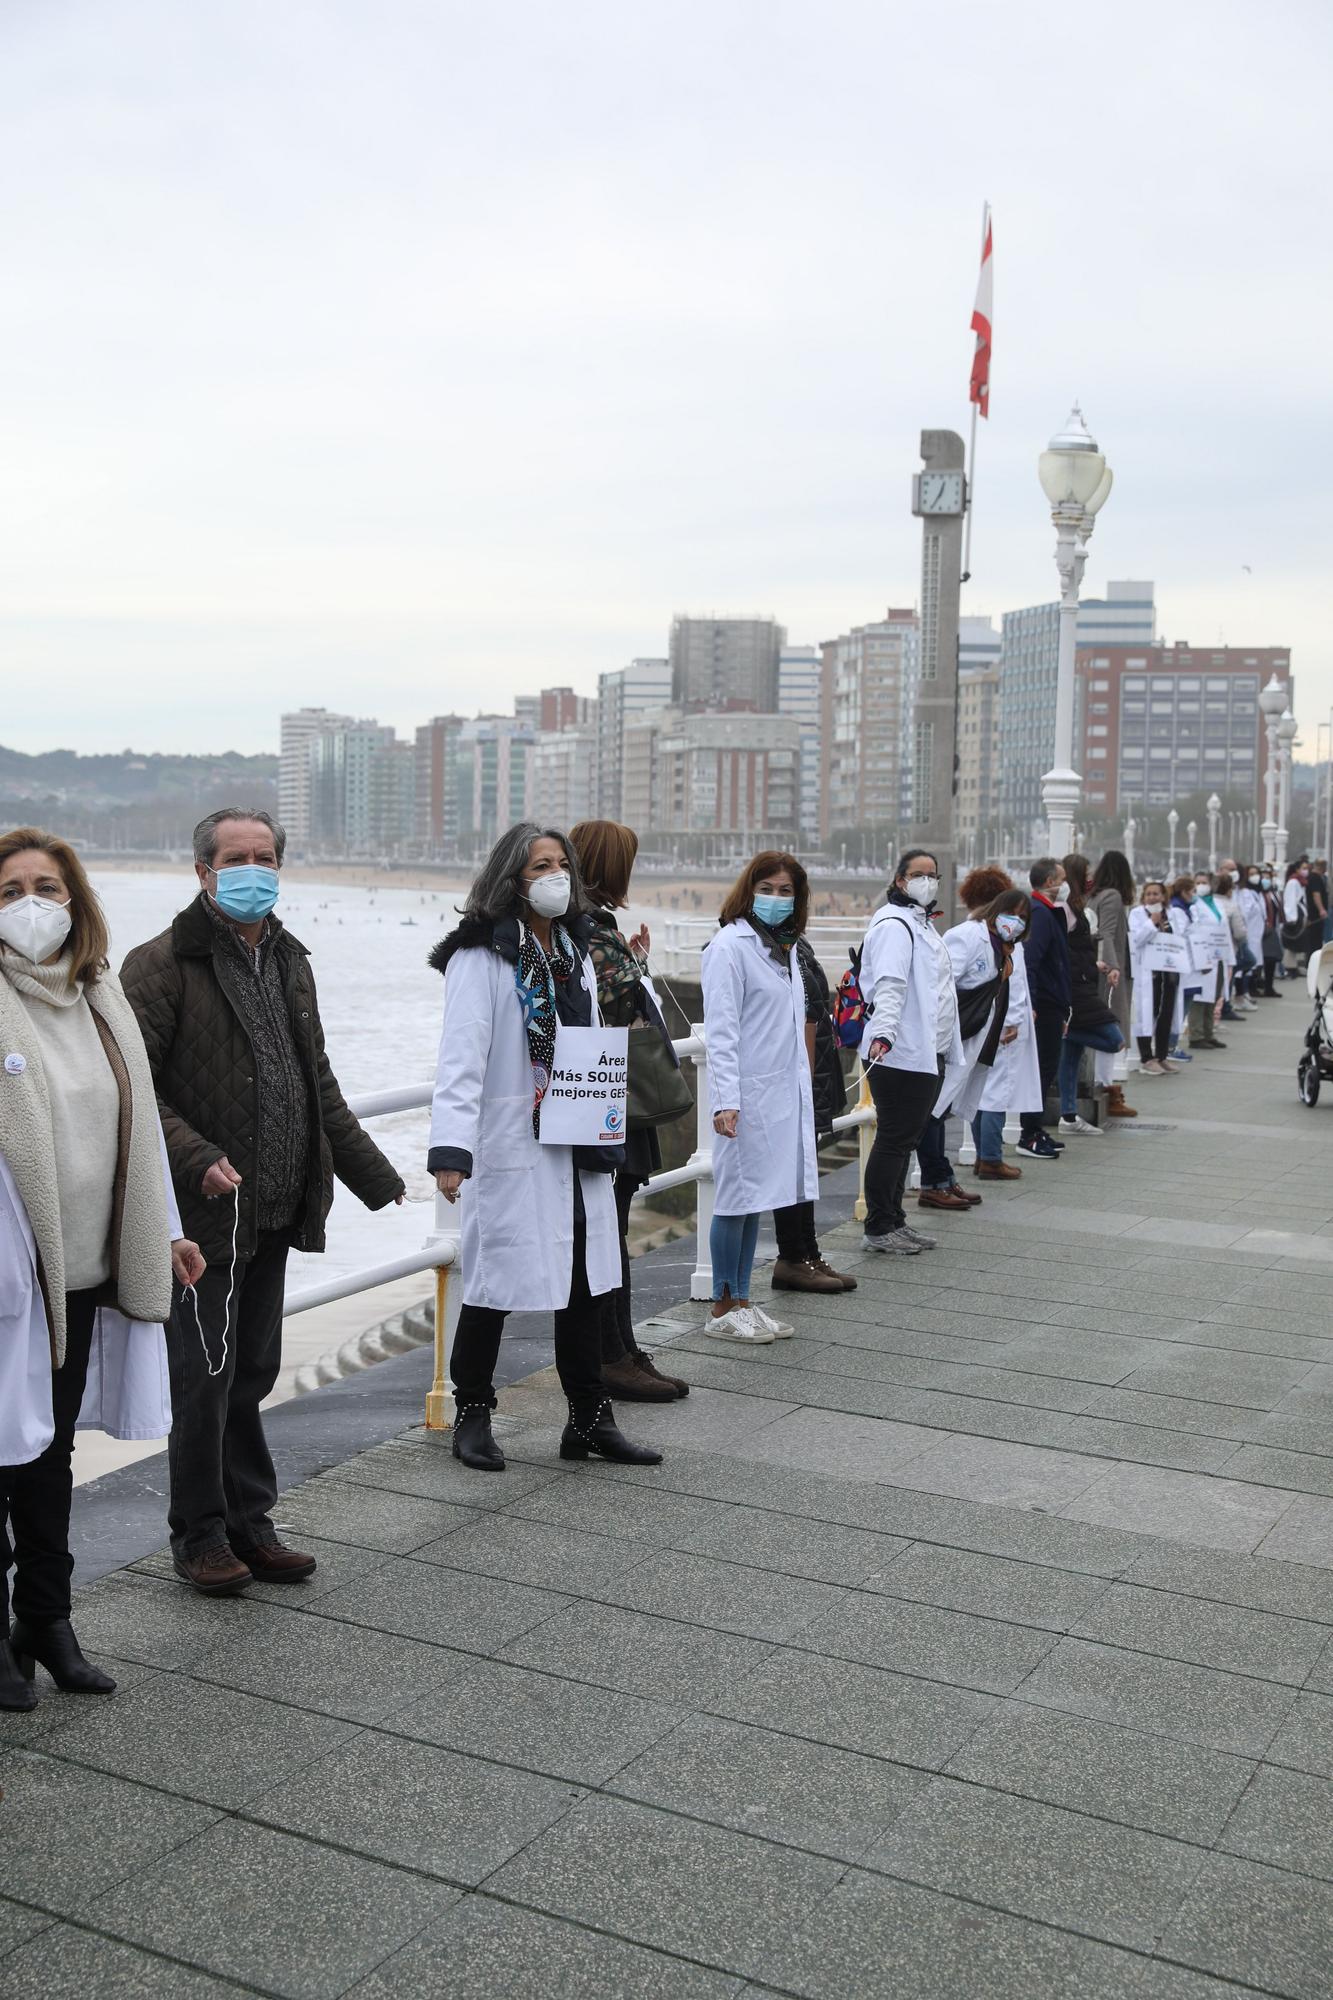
x: 611, y: 1126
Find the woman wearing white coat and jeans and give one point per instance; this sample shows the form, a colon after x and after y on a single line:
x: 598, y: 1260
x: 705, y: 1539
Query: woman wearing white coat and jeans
x: 539, y: 1227
x: 910, y: 1035
x: 759, y: 1081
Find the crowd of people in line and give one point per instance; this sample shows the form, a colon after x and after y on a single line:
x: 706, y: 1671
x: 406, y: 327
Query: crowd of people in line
x: 169, y: 1136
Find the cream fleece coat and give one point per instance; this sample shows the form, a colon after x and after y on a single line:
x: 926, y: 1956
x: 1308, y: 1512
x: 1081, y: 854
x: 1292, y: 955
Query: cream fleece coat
x: 140, y: 1242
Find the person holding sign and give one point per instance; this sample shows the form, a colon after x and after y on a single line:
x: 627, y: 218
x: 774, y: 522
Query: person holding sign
x: 1191, y: 920
x: 1158, y: 957
x: 759, y: 1080
x: 526, y: 1124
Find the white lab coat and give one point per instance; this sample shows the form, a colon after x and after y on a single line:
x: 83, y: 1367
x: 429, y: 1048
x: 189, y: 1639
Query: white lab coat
x: 1295, y: 904
x: 1181, y: 922
x: 907, y: 983
x: 754, y: 1025
x: 518, y: 1204
x: 128, y: 1392
x: 1142, y: 931
x: 1013, y: 1081
x: 1251, y: 904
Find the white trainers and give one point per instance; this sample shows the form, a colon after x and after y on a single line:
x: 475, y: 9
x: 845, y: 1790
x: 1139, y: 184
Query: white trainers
x: 739, y: 1324
x: 1081, y: 1127
x: 898, y: 1243
x: 777, y: 1327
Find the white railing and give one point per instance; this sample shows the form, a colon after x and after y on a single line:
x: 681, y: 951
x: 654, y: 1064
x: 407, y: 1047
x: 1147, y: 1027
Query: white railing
x: 441, y: 1251
x: 678, y: 941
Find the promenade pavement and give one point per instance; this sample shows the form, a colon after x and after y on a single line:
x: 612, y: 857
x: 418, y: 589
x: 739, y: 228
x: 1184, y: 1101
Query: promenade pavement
x: 976, y: 1642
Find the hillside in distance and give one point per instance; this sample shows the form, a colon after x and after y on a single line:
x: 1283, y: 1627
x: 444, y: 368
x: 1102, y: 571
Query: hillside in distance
x: 126, y: 799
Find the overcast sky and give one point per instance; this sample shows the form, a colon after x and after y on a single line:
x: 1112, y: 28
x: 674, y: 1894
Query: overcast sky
x: 403, y: 356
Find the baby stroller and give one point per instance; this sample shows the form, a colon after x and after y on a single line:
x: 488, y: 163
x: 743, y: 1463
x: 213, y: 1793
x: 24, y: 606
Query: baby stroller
x: 1317, y: 1060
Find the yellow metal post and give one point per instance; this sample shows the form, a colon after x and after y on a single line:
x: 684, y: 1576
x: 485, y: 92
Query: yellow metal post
x: 437, y: 1399
x: 865, y: 1139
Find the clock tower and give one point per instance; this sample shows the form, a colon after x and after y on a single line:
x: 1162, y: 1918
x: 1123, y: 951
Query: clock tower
x: 939, y: 498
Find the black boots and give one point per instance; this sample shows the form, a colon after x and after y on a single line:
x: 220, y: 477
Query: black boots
x: 58, y: 1650
x: 474, y: 1442
x: 16, y: 1691
x: 591, y: 1430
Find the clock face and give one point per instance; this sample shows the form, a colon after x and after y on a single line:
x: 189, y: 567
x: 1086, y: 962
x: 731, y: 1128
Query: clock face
x: 939, y: 493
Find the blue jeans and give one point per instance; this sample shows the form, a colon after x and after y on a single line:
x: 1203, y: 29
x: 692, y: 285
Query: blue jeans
x: 731, y: 1242
x: 988, y: 1132
x: 1108, y: 1039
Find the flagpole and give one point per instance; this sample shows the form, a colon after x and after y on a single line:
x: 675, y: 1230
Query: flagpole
x: 972, y: 448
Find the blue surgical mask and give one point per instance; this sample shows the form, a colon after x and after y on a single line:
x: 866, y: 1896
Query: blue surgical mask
x: 1010, y: 928
x: 773, y: 910
x: 246, y: 893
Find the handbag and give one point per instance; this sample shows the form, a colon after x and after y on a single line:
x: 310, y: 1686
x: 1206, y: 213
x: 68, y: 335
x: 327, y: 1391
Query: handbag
x: 975, y: 1006
x: 658, y: 1091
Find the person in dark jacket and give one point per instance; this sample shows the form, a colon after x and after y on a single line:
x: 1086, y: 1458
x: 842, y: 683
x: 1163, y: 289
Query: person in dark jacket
x: 605, y: 852
x: 1092, y: 1025
x: 256, y: 1129
x: 801, y: 1265
x: 1050, y: 986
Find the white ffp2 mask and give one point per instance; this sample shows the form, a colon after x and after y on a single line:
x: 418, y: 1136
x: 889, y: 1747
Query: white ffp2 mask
x: 548, y: 896
x: 922, y: 889
x: 35, y: 926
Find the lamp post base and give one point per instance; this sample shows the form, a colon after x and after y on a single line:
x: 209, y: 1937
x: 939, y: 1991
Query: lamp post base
x: 1061, y: 795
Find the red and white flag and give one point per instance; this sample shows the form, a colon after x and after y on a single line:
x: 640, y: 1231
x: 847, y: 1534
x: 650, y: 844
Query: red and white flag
x: 979, y: 391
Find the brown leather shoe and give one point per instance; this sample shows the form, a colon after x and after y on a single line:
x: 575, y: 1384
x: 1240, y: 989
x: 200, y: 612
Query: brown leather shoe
x: 997, y: 1170
x: 822, y: 1264
x: 789, y: 1276
x: 972, y: 1200
x: 942, y: 1198
x: 629, y: 1384
x: 646, y: 1366
x: 272, y: 1563
x: 1116, y: 1106
x: 215, y: 1572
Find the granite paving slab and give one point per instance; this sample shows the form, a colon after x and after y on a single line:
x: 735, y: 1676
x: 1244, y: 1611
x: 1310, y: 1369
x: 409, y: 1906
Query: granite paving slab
x: 481, y: 1948
x: 826, y: 1801
x: 68, y: 1964
x: 991, y: 1655
x: 1262, y: 1644
x: 238, y: 1901
x: 1065, y: 1868
x: 1115, y: 1772
x: 1220, y: 1711
x: 1259, y: 1925
x: 839, y: 1702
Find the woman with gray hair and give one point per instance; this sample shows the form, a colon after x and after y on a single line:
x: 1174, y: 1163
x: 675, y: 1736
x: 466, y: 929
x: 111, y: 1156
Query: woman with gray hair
x: 539, y: 1221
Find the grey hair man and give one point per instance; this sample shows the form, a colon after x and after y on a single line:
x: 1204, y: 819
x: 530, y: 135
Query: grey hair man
x: 256, y: 1128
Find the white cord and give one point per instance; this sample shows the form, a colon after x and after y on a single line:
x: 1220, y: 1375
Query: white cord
x: 231, y: 1286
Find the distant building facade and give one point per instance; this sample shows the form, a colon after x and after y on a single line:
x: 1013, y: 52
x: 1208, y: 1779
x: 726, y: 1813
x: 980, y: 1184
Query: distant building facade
x: 562, y: 776
x: 978, y: 801
x: 800, y: 686
x: 868, y: 678
x: 299, y: 729
x: 624, y: 694
x: 1030, y: 649
x: 712, y: 776
x: 720, y: 663
x: 1157, y: 723
x: 340, y: 817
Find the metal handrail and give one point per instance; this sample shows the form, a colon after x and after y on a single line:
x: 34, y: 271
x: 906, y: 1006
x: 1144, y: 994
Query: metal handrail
x: 442, y: 1252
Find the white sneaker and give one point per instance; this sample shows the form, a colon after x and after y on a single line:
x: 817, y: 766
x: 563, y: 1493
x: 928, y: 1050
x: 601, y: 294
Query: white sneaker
x: 1082, y: 1127
x: 898, y: 1243
x: 777, y: 1327
x: 739, y: 1324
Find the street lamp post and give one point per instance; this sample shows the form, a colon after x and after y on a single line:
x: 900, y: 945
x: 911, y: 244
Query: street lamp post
x: 1130, y: 831
x: 1272, y: 701
x: 1286, y: 736
x: 1173, y: 821
x: 1191, y: 834
x: 1214, y: 822
x: 1076, y: 481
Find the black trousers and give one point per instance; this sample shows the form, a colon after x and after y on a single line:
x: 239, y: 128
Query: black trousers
x: 617, y: 1317
x: 904, y: 1100
x: 223, y: 1486
x: 35, y: 1498
x: 1270, y: 973
x: 1050, y: 1033
x: 578, y: 1339
x: 795, y: 1228
x: 1155, y: 1046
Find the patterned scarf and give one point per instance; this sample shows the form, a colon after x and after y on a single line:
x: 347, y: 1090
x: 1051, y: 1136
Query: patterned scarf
x: 534, y: 982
